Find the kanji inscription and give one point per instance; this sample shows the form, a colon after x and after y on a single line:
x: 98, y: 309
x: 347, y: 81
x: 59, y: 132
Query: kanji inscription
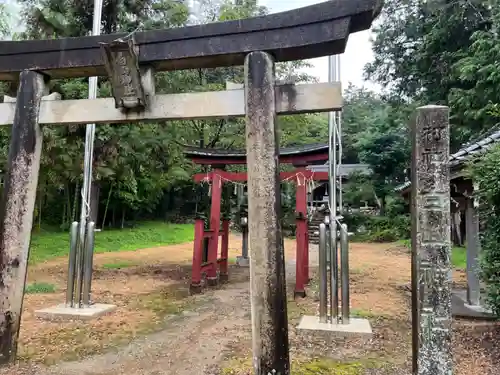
x: 431, y: 247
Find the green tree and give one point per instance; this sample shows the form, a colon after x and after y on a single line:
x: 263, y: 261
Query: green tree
x: 478, y: 98
x: 375, y: 131
x: 485, y: 171
x: 419, y: 48
x: 139, y: 169
x: 4, y: 21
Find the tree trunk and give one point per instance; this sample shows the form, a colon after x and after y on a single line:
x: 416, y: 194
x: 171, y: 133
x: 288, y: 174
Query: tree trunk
x: 94, y: 201
x: 106, y: 207
x: 75, y: 201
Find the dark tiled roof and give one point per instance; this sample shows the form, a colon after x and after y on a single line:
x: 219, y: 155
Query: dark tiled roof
x: 465, y: 153
x: 286, y: 151
x: 344, y: 169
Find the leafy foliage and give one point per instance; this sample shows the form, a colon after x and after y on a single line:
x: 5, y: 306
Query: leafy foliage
x: 4, y: 21
x: 139, y: 169
x: 440, y: 52
x: 485, y: 172
x: 378, y: 228
x: 375, y: 132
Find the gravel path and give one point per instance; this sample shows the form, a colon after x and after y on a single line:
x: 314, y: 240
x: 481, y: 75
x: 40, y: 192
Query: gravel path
x: 194, y: 342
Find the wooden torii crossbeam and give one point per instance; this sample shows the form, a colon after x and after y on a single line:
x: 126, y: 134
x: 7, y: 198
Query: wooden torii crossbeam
x: 290, y: 99
x: 257, y: 43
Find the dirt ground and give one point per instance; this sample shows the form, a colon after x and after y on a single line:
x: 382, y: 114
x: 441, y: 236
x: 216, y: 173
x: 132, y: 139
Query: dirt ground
x: 158, y: 329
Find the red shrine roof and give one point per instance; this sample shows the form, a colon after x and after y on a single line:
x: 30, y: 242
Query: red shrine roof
x: 297, y: 155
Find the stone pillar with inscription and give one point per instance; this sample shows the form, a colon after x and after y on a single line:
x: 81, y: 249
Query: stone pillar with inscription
x: 431, y: 242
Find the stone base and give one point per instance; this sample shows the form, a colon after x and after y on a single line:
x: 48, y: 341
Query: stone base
x: 63, y: 312
x: 242, y: 262
x: 195, y: 289
x: 461, y: 309
x: 299, y: 294
x: 356, y: 327
x: 212, y: 281
x: 223, y: 278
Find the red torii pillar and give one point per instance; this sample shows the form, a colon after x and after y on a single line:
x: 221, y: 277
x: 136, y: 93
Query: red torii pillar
x: 300, y: 176
x: 213, y: 263
x: 302, y: 235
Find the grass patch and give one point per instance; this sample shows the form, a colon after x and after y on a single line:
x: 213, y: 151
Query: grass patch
x: 40, y: 288
x: 47, y: 245
x: 459, y: 257
x: 166, y: 301
x: 118, y: 265
x: 405, y: 243
x: 363, y: 314
x: 318, y: 366
x: 458, y: 254
x: 294, y: 310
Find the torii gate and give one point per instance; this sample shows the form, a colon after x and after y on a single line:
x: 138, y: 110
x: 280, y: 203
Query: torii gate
x: 130, y: 60
x: 300, y: 157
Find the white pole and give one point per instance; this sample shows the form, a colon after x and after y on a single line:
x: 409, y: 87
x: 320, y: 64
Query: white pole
x: 339, y: 136
x: 87, y: 164
x: 332, y: 185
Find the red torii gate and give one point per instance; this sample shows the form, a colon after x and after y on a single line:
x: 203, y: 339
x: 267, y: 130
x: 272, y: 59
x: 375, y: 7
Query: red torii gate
x: 300, y: 157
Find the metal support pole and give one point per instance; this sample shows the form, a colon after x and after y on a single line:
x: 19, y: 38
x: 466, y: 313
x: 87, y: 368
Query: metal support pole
x: 87, y: 272
x: 87, y: 171
x: 332, y: 185
x: 80, y: 259
x: 73, y: 240
x: 327, y: 225
x: 344, y: 261
x: 244, y: 232
x: 323, y: 278
x: 338, y: 78
x: 334, y: 274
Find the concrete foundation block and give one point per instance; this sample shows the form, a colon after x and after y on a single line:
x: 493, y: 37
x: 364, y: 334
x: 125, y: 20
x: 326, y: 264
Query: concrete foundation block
x: 461, y: 309
x: 355, y: 328
x: 242, y: 262
x: 63, y: 312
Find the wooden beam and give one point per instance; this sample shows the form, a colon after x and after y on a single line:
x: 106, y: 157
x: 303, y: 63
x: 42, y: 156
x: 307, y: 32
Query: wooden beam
x: 242, y: 176
x: 304, y: 159
x: 318, y: 97
x: 304, y: 33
